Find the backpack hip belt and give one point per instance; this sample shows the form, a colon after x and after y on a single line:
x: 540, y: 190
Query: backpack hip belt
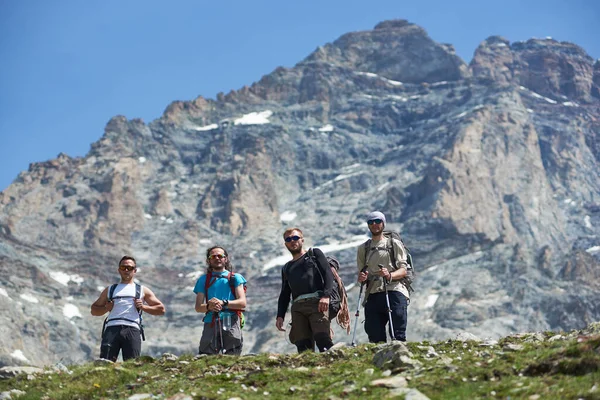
x: 308, y: 296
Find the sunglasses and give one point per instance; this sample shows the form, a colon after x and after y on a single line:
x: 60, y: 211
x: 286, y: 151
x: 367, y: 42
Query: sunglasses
x: 217, y: 257
x: 292, y: 238
x: 126, y: 268
x: 374, y: 221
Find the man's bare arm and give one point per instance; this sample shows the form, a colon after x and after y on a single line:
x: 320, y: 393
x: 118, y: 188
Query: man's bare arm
x: 153, y: 305
x: 102, y: 305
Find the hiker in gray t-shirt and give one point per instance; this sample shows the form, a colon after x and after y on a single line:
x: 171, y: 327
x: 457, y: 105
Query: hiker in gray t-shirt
x: 386, y: 298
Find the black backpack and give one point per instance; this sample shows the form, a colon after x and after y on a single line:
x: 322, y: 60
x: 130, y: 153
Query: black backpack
x: 410, y: 270
x: 138, y: 295
x: 338, y: 302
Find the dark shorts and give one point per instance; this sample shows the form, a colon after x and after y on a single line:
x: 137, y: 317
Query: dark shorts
x: 214, y: 338
x: 121, y: 337
x: 307, y: 321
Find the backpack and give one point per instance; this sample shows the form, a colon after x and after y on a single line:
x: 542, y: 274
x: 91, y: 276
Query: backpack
x: 338, y: 302
x: 231, y: 280
x: 138, y: 295
x: 410, y: 270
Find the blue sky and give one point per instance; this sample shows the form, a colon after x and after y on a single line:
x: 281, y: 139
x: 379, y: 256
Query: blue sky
x: 68, y: 66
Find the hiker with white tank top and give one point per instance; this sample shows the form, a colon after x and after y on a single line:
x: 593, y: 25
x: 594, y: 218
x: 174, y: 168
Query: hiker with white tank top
x: 125, y: 302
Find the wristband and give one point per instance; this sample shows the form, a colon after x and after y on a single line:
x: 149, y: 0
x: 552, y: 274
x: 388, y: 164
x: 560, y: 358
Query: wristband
x: 225, y: 303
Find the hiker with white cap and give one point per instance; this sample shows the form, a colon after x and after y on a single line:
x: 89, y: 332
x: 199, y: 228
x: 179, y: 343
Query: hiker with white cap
x: 386, y: 295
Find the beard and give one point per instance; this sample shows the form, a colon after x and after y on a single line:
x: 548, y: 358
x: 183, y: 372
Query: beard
x: 219, y: 268
x: 376, y: 230
x: 294, y: 252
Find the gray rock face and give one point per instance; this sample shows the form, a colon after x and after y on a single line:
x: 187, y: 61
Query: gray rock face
x: 490, y: 175
x: 555, y: 69
x: 396, y: 50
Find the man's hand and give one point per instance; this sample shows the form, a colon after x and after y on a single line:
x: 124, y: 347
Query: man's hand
x: 363, y: 276
x: 214, y: 304
x: 324, y: 304
x: 279, y: 324
x: 385, y: 274
x: 109, y: 305
x: 139, y: 304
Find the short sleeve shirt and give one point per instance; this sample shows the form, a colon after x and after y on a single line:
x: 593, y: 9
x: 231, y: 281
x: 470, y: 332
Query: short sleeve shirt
x: 218, y: 288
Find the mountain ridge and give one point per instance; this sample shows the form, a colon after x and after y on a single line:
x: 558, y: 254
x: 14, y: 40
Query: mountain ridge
x: 481, y: 174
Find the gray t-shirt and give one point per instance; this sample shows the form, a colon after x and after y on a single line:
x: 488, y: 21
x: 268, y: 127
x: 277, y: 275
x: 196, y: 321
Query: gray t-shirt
x: 379, y: 254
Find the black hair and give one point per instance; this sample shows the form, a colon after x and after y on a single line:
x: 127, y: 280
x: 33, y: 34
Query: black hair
x: 125, y: 258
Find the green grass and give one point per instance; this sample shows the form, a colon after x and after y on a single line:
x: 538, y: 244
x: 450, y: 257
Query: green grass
x: 563, y: 369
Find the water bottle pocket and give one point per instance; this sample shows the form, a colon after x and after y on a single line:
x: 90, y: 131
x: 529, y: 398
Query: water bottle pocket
x: 226, y: 322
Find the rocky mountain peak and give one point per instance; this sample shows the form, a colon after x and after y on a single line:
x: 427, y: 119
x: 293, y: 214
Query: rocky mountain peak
x: 494, y: 60
x: 558, y: 70
x: 397, y: 50
x: 394, y: 24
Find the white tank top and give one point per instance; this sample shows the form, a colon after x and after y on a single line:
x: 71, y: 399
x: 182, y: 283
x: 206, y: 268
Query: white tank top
x: 124, y: 311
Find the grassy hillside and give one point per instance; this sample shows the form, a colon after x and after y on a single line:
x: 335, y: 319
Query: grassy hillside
x: 527, y: 366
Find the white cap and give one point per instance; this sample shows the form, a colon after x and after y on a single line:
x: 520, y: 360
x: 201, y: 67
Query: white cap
x: 376, y: 215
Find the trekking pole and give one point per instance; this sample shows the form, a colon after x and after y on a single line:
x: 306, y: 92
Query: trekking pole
x: 387, y: 299
x: 353, y: 344
x: 220, y: 328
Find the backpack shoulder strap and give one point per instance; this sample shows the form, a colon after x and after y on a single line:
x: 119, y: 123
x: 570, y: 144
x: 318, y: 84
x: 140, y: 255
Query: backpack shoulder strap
x: 113, y: 288
x: 138, y: 295
x: 232, y: 286
x: 111, y: 291
x: 367, y: 246
x: 392, y: 252
x: 409, y: 270
x: 313, y: 257
x: 231, y: 280
x: 207, y: 285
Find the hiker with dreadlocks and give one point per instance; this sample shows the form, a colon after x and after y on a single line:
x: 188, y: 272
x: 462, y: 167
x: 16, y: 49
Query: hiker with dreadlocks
x: 221, y: 295
x: 125, y: 303
x: 309, y: 282
x: 386, y: 294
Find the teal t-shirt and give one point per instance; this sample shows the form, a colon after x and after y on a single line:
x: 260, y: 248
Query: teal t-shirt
x: 218, y: 287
